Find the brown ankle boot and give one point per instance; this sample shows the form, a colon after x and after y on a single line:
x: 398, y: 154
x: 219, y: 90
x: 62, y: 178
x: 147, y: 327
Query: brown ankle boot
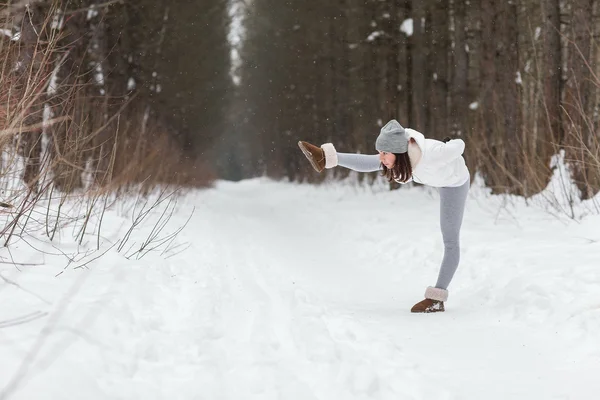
x: 319, y: 157
x: 427, y: 306
x: 434, y: 301
x: 315, y: 155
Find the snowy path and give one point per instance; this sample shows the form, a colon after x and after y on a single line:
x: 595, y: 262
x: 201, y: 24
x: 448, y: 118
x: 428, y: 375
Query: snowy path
x: 296, y: 292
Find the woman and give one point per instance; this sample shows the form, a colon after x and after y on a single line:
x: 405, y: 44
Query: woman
x: 406, y: 155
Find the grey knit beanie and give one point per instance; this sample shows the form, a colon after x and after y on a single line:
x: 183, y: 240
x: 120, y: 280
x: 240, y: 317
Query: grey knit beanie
x: 392, y: 138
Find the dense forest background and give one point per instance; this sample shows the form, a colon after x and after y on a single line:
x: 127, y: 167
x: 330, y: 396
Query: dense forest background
x: 188, y: 91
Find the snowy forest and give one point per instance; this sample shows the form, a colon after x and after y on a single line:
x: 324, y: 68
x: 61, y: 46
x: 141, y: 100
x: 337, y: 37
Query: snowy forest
x: 127, y: 83
x: 516, y: 79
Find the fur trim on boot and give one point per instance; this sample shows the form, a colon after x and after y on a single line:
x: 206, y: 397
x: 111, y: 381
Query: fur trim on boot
x: 434, y: 293
x: 331, y: 159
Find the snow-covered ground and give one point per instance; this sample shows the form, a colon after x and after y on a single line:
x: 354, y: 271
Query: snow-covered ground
x: 291, y: 291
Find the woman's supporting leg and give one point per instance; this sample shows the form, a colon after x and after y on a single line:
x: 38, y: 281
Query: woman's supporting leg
x: 452, y: 207
x: 359, y: 162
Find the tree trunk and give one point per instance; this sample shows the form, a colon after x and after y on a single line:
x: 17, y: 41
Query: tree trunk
x: 418, y: 68
x: 460, y: 71
x: 440, y: 44
x: 578, y: 95
x: 31, y: 97
x: 552, y: 73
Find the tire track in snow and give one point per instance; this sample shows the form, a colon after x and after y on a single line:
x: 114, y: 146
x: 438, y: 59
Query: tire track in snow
x: 324, y: 339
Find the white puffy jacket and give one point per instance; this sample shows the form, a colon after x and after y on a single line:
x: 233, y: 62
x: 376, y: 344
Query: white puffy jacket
x: 440, y: 164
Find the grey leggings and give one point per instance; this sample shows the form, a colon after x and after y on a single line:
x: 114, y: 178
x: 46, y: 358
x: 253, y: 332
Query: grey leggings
x: 452, y: 208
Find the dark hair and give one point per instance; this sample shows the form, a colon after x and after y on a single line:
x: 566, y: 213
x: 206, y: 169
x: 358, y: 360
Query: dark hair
x: 401, y: 171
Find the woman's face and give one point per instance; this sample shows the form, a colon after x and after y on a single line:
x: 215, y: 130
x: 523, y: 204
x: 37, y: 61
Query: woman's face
x: 387, y: 159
